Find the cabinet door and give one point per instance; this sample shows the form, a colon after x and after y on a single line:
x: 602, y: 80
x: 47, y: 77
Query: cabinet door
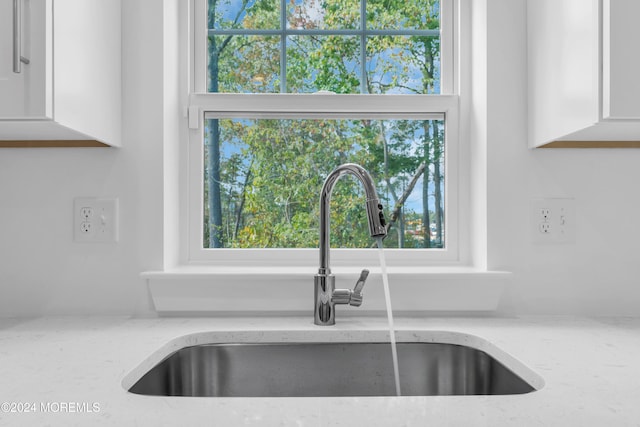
x: 24, y: 86
x: 621, y: 62
x: 12, y: 99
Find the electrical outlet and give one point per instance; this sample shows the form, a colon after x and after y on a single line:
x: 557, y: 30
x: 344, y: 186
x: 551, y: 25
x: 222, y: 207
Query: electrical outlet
x: 95, y: 219
x: 86, y: 228
x: 545, y: 214
x: 86, y: 212
x: 553, y: 220
x: 544, y: 228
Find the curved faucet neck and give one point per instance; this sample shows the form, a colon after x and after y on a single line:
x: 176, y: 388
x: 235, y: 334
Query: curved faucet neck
x: 373, y: 206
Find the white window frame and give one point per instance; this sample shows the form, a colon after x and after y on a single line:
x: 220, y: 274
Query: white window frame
x: 226, y: 105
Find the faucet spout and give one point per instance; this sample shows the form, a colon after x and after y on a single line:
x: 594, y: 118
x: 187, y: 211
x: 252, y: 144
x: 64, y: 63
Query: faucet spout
x: 326, y: 296
x: 375, y: 216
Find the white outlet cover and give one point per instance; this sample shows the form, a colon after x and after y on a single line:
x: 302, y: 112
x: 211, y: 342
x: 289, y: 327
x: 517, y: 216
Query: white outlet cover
x: 559, y: 226
x: 103, y: 220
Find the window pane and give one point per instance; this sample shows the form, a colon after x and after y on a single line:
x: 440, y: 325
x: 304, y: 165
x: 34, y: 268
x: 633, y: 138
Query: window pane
x: 263, y: 179
x: 323, y: 15
x: 244, y: 64
x: 403, y: 64
x: 317, y: 63
x: 325, y: 46
x: 246, y: 14
x: 403, y: 14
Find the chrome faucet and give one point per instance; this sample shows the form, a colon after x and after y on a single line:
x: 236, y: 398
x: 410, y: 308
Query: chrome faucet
x: 326, y: 295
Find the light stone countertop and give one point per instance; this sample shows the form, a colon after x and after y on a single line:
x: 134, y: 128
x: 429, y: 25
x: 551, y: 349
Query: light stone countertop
x: 70, y: 371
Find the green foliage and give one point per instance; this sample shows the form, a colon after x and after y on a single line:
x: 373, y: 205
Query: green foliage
x: 271, y: 171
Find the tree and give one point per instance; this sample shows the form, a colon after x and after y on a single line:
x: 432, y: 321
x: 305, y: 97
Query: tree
x: 220, y: 54
x: 264, y: 176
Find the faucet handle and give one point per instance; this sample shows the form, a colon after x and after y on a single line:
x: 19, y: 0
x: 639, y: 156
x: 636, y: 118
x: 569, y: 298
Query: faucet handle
x: 356, y: 295
x: 348, y: 296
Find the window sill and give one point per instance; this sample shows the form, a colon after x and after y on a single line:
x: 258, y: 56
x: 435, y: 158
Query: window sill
x: 206, y: 289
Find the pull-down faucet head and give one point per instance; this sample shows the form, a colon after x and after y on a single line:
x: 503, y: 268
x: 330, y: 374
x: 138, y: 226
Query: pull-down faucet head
x: 326, y: 296
x: 375, y: 215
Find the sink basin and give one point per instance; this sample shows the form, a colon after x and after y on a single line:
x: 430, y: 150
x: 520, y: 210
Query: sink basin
x: 308, y: 369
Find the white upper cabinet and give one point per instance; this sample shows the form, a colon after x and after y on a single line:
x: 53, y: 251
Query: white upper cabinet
x: 583, y: 68
x: 621, y: 59
x: 18, y: 42
x: 60, y: 72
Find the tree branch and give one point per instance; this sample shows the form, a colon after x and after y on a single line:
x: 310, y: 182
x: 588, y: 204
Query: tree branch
x: 395, y: 214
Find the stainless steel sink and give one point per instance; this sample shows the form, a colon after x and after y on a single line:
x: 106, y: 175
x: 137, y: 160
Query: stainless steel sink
x: 328, y: 369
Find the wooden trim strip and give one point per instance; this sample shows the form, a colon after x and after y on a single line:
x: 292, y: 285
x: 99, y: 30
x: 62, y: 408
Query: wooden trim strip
x: 52, y: 144
x: 592, y: 144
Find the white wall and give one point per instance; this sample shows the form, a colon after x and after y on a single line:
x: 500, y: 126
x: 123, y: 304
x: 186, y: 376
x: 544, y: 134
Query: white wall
x: 43, y: 272
x: 600, y: 273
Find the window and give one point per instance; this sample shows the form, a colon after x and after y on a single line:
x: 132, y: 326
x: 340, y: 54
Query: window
x: 283, y: 91
x: 342, y: 46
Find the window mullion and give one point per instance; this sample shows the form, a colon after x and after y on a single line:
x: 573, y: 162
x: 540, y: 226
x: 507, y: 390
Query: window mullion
x: 363, y: 47
x: 317, y: 32
x: 353, y: 103
x: 283, y: 46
